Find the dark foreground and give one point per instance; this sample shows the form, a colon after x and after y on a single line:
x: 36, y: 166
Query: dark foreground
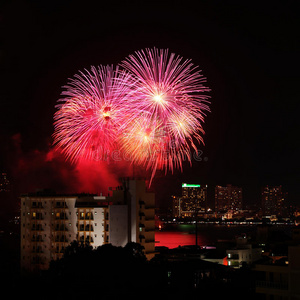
x: 110, y: 272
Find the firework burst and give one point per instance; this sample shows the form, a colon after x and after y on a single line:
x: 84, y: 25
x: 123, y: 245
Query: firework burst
x: 170, y: 94
x: 93, y: 113
x: 152, y: 111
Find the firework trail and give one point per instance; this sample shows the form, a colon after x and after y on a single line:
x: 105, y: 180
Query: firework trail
x: 171, y: 101
x: 93, y: 113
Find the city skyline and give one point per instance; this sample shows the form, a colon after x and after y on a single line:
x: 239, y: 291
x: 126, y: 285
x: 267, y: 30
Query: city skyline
x: 251, y: 132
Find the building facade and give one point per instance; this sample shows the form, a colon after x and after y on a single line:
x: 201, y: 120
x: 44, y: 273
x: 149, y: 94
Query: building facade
x: 227, y: 198
x: 132, y: 217
x: 49, y: 223
x: 273, y: 200
x: 192, y: 202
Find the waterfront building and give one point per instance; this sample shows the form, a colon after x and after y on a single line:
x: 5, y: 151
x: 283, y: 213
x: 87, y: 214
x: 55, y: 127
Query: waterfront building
x: 273, y: 200
x: 176, y: 211
x: 192, y: 201
x: 227, y: 198
x: 50, y: 222
x: 4, y: 183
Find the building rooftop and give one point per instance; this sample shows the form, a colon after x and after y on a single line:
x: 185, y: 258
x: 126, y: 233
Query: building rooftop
x: 51, y: 193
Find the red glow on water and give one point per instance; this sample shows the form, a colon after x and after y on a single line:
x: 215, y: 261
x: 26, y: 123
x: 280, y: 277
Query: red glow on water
x: 174, y: 239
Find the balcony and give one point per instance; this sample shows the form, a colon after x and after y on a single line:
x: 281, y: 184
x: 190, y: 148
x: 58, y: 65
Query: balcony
x: 37, y: 216
x: 141, y: 215
x: 37, y: 250
x: 61, y: 205
x: 61, y: 239
x: 141, y: 237
x: 271, y: 285
x: 151, y: 240
x: 37, y: 205
x: 87, y: 216
x: 37, y: 227
x: 62, y: 227
x: 37, y: 238
x: 88, y: 239
x: 88, y: 227
x: 61, y: 216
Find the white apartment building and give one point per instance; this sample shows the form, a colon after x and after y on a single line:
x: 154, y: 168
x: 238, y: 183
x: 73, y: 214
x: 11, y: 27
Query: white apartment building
x: 49, y: 223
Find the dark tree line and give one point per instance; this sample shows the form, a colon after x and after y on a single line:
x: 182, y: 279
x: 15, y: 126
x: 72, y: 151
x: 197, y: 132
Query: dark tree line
x: 107, y: 270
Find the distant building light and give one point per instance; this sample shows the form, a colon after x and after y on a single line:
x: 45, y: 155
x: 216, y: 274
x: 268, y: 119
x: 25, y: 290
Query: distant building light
x: 190, y: 185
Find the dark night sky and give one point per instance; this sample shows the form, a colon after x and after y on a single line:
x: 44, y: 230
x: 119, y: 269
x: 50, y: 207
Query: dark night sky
x: 248, y: 52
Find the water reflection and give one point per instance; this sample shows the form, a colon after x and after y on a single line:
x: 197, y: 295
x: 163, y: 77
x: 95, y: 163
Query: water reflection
x: 181, y: 235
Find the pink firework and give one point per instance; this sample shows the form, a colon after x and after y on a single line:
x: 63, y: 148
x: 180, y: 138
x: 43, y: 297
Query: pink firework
x: 94, y: 112
x: 171, y: 104
x: 152, y: 111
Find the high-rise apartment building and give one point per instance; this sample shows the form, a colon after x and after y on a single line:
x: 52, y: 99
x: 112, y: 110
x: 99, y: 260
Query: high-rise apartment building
x: 50, y: 222
x: 193, y: 201
x: 228, y: 197
x: 4, y: 182
x: 132, y: 217
x: 273, y: 200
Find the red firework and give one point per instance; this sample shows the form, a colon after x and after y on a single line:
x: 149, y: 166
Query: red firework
x: 93, y: 113
x: 152, y: 111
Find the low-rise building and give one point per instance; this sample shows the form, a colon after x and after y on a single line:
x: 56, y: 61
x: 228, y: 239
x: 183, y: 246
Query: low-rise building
x: 279, y: 280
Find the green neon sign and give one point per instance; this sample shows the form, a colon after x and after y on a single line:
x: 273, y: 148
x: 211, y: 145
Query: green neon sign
x: 190, y: 185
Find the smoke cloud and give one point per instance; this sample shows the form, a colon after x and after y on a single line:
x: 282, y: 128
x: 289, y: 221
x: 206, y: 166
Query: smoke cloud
x: 40, y: 169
